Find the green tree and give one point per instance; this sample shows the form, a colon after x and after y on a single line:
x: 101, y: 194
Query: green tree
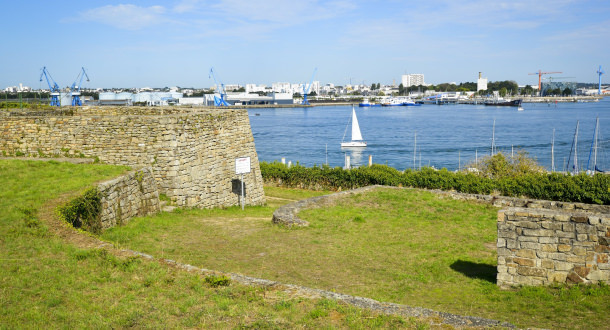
x: 503, y: 91
x: 401, y: 89
x: 567, y: 91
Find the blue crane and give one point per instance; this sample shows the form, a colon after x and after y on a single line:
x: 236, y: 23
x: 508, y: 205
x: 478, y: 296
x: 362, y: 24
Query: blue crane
x: 53, y: 88
x: 75, y: 89
x: 218, y: 101
x: 307, y: 87
x: 600, y: 72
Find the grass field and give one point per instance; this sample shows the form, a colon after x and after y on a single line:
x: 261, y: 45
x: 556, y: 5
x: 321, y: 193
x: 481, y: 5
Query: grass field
x: 404, y: 246
x: 48, y: 281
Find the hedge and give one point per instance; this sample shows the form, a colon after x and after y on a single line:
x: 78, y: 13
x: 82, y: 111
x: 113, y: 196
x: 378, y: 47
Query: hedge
x: 592, y: 189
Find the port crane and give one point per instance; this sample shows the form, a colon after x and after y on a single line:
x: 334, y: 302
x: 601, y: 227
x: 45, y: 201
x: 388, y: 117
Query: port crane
x: 540, y: 73
x: 75, y: 89
x: 221, y: 89
x: 600, y: 72
x: 53, y: 88
x: 307, y: 87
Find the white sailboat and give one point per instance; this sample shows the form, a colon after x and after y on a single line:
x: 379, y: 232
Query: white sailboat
x: 356, y: 140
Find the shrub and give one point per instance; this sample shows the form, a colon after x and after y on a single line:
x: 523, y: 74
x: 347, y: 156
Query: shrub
x: 84, y: 211
x: 518, y: 178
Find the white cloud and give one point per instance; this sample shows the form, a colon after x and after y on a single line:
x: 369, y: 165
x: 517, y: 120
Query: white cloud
x: 186, y: 6
x: 281, y: 11
x: 125, y: 16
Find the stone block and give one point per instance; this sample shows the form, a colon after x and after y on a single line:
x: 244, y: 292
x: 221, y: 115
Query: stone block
x: 576, y: 259
x: 548, y: 240
x: 548, y: 247
x: 574, y: 278
x: 602, y: 258
x: 568, y: 227
x: 579, y: 219
x: 557, y: 277
x: 538, y: 232
x: 530, y: 245
x: 563, y: 266
x: 582, y: 271
x: 552, y: 225
x: 583, y: 228
x: 526, y: 253
x: 531, y: 271
x: 599, y: 276
x: 548, y: 264
x: 501, y: 242
x: 561, y: 217
x: 565, y: 234
x: 564, y: 248
x: 528, y: 224
x: 511, y: 244
x: 525, y: 262
x: 528, y: 239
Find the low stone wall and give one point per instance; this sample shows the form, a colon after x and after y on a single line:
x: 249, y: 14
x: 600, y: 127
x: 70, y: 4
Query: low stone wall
x: 541, y: 247
x: 131, y: 195
x: 287, y: 214
x: 539, y: 242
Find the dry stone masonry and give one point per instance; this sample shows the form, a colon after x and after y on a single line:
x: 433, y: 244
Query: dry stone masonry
x: 131, y: 195
x: 191, y: 152
x: 542, y: 246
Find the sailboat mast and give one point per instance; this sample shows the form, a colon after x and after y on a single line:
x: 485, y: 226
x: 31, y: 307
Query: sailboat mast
x: 553, y: 152
x: 414, y: 149
x: 493, y: 138
x: 595, y: 148
x: 576, y: 148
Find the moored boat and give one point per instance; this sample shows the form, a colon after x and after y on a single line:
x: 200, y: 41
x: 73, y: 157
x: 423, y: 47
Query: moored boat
x: 504, y: 103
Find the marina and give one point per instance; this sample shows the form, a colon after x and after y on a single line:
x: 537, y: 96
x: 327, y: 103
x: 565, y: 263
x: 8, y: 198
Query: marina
x: 447, y: 136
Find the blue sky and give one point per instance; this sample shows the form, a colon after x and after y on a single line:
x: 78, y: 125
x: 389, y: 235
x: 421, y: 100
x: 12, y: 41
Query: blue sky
x: 174, y: 43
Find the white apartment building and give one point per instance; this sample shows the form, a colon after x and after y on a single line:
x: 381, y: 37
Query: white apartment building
x: 414, y: 79
x: 481, y: 83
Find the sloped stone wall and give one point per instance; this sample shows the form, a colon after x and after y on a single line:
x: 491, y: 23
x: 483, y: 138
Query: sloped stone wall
x: 192, y: 151
x: 131, y: 195
x: 542, y: 246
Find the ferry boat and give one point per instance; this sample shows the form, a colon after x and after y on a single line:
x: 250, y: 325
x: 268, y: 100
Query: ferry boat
x: 367, y: 103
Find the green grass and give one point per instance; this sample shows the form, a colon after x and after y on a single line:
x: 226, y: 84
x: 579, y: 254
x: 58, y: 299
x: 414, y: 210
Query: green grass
x: 404, y: 246
x: 46, y: 282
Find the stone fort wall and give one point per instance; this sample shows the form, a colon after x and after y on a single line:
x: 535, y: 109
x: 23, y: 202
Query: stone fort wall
x: 192, y: 152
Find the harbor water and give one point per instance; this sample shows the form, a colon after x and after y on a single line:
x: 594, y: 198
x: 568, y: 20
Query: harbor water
x: 447, y: 136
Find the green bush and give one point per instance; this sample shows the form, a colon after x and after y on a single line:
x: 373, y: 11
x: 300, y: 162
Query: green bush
x: 216, y: 281
x: 516, y: 182
x: 84, y: 211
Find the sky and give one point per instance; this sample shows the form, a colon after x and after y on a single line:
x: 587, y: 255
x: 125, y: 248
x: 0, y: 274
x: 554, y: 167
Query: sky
x: 168, y: 43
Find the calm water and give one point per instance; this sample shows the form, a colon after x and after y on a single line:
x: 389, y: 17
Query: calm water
x: 448, y: 136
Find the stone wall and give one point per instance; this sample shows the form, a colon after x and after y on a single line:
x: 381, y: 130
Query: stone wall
x: 192, y: 151
x: 131, y: 195
x: 542, y: 246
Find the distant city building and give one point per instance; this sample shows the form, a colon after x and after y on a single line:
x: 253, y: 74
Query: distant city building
x: 415, y: 79
x: 481, y: 83
x: 20, y: 88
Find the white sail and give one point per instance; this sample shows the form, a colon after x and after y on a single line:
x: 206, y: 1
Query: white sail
x: 356, y: 135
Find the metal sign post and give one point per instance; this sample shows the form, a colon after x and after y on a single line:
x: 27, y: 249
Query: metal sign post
x: 242, y: 165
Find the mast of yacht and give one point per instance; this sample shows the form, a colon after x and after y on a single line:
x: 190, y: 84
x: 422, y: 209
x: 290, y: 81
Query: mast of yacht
x: 415, y: 150
x: 575, y: 148
x: 594, y: 146
x: 553, y: 152
x: 493, y: 138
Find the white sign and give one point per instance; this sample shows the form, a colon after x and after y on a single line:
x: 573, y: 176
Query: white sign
x: 242, y: 165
